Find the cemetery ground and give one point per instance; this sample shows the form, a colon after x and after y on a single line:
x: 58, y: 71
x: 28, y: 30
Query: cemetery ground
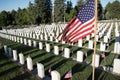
x: 11, y: 70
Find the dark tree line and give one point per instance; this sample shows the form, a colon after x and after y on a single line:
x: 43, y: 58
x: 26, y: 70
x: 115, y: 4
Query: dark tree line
x: 41, y: 11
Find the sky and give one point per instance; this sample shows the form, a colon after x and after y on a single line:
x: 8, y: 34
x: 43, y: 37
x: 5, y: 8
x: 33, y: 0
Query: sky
x: 9, y: 5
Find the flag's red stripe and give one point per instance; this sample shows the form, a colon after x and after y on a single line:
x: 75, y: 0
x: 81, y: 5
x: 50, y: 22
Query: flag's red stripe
x: 83, y: 31
x: 71, y: 27
x: 84, y: 28
x: 75, y: 40
x: 73, y: 30
x: 79, y: 28
x: 81, y: 34
x: 60, y: 37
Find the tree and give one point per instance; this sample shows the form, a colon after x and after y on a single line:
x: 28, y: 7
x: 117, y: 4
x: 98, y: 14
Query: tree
x: 43, y: 10
x: 100, y: 10
x: 48, y: 10
x: 69, y: 6
x: 13, y: 17
x: 112, y: 10
x: 70, y: 15
x: 107, y: 9
x: 31, y: 13
x: 59, y: 10
x: 4, y: 18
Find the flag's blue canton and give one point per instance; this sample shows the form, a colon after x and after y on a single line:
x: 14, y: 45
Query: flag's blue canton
x: 87, y: 12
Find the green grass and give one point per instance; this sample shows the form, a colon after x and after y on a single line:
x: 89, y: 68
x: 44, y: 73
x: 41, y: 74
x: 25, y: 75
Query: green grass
x: 62, y: 65
x: 10, y: 70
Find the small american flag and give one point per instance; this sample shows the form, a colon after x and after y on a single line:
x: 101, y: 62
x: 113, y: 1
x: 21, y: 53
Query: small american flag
x: 81, y: 25
x: 86, y: 54
x: 68, y: 74
x: 50, y: 70
x: 103, y: 55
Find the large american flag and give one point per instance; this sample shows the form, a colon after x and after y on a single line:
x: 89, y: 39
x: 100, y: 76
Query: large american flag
x: 81, y: 25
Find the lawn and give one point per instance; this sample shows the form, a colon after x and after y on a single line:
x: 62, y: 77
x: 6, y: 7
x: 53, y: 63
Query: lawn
x: 61, y: 64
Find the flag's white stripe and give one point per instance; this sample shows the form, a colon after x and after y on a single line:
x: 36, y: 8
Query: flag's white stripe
x: 85, y: 28
x: 81, y: 27
x: 74, y: 27
x: 83, y: 34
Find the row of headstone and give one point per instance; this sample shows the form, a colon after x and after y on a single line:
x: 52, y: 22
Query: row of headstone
x: 45, y: 35
x: 40, y: 67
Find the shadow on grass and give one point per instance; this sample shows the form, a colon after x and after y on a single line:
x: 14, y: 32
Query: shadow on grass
x: 47, y: 59
x: 112, y: 41
x: 25, y: 76
x: 52, y: 62
x: 59, y: 64
x: 30, y: 51
x: 6, y: 63
x: 9, y: 70
x: 39, y: 55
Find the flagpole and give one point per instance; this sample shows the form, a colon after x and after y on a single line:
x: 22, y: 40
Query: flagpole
x: 95, y: 29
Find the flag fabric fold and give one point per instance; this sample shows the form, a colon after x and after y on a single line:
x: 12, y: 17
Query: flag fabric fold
x: 81, y: 25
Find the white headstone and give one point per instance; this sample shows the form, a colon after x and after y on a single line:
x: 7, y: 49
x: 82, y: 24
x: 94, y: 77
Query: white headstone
x: 5, y: 49
x: 47, y: 47
x: 37, y: 36
x: 25, y: 41
x: 55, y: 75
x: 56, y: 50
x: 80, y: 56
x: 41, y: 37
x: 63, y: 42
x: 102, y: 46
x: 80, y: 42
x: 51, y: 38
x: 40, y: 45
x: 40, y: 70
x: 97, y: 60
x: 18, y: 40
x: 56, y: 40
x: 116, y: 66
x: 117, y: 47
x: 46, y: 37
x: 33, y: 36
x: 90, y: 45
x: 21, y: 58
x: 67, y: 52
x: 15, y: 38
x: 15, y: 55
x: 21, y: 40
x: 88, y: 37
x: 29, y: 43
x: 29, y: 63
x: 105, y: 39
x: 34, y: 44
x: 30, y: 35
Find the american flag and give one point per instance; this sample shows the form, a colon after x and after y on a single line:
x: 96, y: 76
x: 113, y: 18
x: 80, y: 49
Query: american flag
x: 68, y: 74
x: 50, y: 70
x: 81, y: 25
x: 103, y: 55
